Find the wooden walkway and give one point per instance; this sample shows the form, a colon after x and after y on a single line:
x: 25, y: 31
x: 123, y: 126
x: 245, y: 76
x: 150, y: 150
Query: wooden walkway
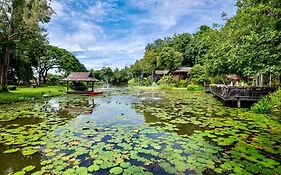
x: 233, y: 93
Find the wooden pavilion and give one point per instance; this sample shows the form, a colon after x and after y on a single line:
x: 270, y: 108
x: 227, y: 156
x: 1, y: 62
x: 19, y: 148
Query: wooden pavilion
x: 159, y: 74
x: 180, y: 73
x: 80, y: 77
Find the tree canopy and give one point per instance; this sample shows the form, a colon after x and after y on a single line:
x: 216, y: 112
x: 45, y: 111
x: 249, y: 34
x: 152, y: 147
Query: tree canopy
x: 248, y: 44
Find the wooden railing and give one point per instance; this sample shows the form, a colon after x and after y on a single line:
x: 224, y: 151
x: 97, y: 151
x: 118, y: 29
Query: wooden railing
x: 239, y: 93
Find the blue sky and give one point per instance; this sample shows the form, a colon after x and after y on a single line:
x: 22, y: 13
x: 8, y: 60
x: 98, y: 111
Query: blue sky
x: 114, y: 33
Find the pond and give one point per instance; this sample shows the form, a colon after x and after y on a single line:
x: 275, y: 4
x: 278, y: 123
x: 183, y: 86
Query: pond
x: 133, y: 132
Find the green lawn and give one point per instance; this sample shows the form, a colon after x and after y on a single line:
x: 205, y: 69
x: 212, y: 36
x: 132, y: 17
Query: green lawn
x: 27, y: 93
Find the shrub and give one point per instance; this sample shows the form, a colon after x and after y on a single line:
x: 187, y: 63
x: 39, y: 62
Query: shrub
x: 262, y: 107
x: 181, y: 83
x: 132, y: 82
x: 222, y: 79
x: 275, y: 102
x: 147, y: 82
x: 198, y: 74
x: 194, y: 87
x: 165, y: 80
x: 269, y: 104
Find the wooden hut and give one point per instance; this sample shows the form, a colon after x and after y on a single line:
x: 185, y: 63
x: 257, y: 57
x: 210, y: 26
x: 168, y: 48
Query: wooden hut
x: 180, y: 73
x: 80, y: 77
x: 159, y: 74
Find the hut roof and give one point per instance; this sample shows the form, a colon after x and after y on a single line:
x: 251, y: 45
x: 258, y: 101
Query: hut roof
x: 233, y: 77
x: 80, y: 76
x: 161, y: 72
x: 181, y: 70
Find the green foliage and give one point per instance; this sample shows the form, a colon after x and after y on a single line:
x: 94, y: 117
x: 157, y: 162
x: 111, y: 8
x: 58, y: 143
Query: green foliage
x: 275, y: 100
x: 133, y: 82
x: 165, y: 80
x: 146, y: 82
x: 194, y: 87
x: 270, y: 104
x: 198, y: 74
x: 262, y: 107
x: 169, y: 58
x: 182, y: 83
x: 219, y: 79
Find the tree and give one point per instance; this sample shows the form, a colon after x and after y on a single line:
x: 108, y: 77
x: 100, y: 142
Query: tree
x: 17, y: 16
x: 181, y: 43
x: 169, y: 58
x: 58, y: 58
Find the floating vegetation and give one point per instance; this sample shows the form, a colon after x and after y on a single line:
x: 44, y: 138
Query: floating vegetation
x: 183, y: 133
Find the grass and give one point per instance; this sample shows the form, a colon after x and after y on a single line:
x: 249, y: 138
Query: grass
x: 27, y: 93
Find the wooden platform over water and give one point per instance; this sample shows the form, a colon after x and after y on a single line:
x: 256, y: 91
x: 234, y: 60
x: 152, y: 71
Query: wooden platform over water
x: 234, y: 93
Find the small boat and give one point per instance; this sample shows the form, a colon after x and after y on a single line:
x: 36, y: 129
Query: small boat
x: 94, y: 93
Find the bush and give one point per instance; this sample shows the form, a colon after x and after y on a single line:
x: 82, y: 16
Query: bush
x: 198, y: 74
x: 132, y: 82
x: 220, y: 80
x: 262, y: 107
x: 275, y: 100
x: 165, y: 80
x: 194, y: 87
x: 180, y: 83
x: 269, y: 104
x: 147, y: 82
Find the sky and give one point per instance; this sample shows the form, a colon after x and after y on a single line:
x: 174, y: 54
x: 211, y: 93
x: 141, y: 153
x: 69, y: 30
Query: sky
x: 114, y: 33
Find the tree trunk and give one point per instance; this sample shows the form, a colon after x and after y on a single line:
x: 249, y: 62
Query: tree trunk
x: 5, y: 68
x: 6, y: 59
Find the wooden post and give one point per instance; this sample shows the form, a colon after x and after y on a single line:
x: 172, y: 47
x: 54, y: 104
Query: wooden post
x: 238, y: 103
x: 261, y: 80
x: 67, y: 86
x: 270, y: 82
x: 92, y: 86
x: 87, y: 86
x: 257, y: 80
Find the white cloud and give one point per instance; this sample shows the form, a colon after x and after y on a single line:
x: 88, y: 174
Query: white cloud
x: 100, y: 33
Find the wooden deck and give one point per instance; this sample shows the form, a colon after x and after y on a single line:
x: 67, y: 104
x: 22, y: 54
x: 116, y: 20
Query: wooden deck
x: 233, y: 93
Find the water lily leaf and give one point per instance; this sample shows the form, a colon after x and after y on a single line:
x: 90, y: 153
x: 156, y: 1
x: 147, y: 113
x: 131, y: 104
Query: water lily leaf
x: 28, y: 151
x: 29, y: 168
x: 81, y: 170
x: 11, y: 151
x: 93, y: 168
x: 116, y: 170
x: 125, y: 164
x: 19, y: 173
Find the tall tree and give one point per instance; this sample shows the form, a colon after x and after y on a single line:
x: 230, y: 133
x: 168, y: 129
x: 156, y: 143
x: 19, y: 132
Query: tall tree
x: 17, y: 16
x: 169, y: 58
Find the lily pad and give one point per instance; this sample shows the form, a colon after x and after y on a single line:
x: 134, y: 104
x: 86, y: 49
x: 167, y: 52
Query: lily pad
x: 116, y: 170
x: 29, y: 168
x: 93, y: 168
x: 11, y: 151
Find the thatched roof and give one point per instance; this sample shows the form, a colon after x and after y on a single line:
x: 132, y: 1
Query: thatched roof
x: 233, y: 77
x: 80, y: 76
x: 181, y: 70
x: 161, y: 72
